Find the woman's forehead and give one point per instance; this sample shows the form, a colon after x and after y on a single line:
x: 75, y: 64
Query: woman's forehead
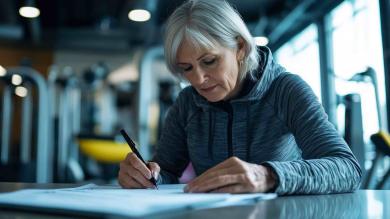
x: 193, y: 50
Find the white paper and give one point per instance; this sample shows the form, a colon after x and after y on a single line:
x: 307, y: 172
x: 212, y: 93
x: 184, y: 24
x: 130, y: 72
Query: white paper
x: 127, y: 202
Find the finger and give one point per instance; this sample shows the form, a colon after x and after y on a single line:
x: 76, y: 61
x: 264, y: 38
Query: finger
x: 209, y: 173
x: 227, y: 164
x: 154, y: 168
x: 215, y: 183
x: 236, y: 188
x: 124, y: 178
x: 195, y: 183
x: 206, y: 175
x: 139, y: 165
x: 137, y: 176
x: 214, y: 174
x: 232, y: 161
x: 126, y: 182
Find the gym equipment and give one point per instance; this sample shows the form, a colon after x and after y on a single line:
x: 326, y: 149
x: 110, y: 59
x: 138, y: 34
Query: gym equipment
x: 381, y: 139
x: 104, y: 150
x: 353, y: 133
x: 64, y: 92
x: 24, y: 82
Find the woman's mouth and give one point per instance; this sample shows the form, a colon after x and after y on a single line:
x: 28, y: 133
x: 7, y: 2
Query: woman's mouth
x: 208, y: 89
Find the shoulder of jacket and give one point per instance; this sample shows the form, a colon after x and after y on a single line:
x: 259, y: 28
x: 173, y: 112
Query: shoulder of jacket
x: 286, y: 80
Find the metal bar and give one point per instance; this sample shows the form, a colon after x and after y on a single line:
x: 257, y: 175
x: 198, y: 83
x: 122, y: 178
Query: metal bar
x: 289, y: 20
x: 44, y: 151
x: 63, y: 134
x: 384, y: 180
x: 53, y: 74
x: 73, y: 163
x: 27, y: 108
x: 321, y: 9
x: 14, y: 32
x: 6, y: 124
x: 329, y: 97
x: 76, y: 121
x: 384, y: 6
x: 145, y: 98
x: 368, y: 182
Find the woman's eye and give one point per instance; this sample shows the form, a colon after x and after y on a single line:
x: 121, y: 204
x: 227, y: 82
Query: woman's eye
x: 209, y: 61
x: 187, y: 69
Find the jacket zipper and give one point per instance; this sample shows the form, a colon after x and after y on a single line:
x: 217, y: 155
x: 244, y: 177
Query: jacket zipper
x: 230, y: 129
x: 227, y: 107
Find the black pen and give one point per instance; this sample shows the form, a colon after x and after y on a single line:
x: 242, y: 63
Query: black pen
x: 135, y: 151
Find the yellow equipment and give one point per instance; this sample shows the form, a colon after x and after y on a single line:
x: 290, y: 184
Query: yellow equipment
x: 105, y: 151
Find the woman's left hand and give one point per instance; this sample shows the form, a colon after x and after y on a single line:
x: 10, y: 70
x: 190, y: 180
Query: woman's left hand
x: 234, y: 176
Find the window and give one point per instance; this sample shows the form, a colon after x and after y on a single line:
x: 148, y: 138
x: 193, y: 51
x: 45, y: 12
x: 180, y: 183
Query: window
x: 357, y: 44
x: 301, y: 56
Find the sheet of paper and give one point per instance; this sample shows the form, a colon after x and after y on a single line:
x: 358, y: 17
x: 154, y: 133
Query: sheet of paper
x: 125, y: 202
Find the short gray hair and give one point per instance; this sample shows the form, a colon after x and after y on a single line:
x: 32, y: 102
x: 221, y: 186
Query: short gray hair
x: 207, y: 23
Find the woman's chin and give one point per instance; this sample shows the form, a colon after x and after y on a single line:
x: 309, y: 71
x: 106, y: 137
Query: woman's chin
x: 213, y: 98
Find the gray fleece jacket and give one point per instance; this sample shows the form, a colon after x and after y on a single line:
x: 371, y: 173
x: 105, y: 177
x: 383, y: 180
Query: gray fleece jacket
x: 276, y: 121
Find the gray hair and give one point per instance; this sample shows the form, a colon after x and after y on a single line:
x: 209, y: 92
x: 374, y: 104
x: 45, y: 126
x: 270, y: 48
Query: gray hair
x: 206, y: 24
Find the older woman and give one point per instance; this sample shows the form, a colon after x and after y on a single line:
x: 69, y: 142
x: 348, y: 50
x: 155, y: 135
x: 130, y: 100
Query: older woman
x: 245, y: 124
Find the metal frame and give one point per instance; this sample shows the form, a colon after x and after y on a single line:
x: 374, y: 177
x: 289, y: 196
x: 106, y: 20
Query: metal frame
x: 145, y: 97
x: 301, y: 22
x: 65, y: 98
x: 6, y: 123
x: 384, y: 6
x: 27, y: 108
x: 289, y: 20
x: 44, y: 157
x: 329, y: 97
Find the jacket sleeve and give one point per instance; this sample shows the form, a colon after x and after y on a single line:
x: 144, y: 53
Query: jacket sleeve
x: 172, y: 153
x: 328, y: 165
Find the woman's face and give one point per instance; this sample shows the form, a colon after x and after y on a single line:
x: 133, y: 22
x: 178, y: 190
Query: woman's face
x: 213, y: 73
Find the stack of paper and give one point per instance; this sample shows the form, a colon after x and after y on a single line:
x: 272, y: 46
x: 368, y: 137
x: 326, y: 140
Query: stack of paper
x: 126, y: 202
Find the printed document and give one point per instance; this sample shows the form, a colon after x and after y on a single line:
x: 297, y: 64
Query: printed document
x: 114, y: 200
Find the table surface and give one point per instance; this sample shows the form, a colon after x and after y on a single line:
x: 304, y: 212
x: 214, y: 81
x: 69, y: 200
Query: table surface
x: 360, y: 204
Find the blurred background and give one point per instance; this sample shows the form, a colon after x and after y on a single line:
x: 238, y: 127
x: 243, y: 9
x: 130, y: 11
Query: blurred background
x: 75, y: 72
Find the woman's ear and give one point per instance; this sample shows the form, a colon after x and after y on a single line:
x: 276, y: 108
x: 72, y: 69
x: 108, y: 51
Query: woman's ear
x: 241, y: 48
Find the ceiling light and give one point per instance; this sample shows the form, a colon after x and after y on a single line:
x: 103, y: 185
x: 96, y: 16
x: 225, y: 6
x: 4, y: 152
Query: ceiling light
x: 139, y: 15
x: 16, y: 80
x: 21, y: 91
x: 261, y: 41
x: 29, y: 12
x: 2, y: 71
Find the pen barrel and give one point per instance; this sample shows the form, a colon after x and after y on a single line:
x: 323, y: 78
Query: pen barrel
x: 139, y: 156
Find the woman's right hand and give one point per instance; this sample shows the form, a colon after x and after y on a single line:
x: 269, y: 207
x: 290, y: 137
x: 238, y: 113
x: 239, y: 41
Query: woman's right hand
x: 134, y: 174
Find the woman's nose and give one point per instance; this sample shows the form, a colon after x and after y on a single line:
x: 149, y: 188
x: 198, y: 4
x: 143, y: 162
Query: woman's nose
x: 200, y: 76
